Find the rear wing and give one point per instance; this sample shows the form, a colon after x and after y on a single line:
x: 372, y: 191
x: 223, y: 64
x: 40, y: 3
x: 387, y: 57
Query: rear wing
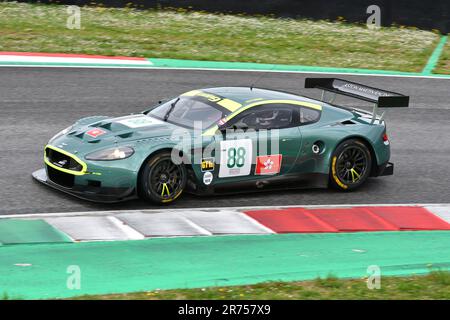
x: 380, y: 98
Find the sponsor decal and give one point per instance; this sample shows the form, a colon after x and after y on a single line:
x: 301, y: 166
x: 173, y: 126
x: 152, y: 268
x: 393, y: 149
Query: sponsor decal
x: 208, y: 164
x: 207, y: 178
x: 222, y: 121
x: 140, y: 121
x: 269, y: 164
x: 235, y: 158
x: 371, y: 91
x: 94, y: 133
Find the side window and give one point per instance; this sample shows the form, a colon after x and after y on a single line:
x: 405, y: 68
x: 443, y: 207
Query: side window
x: 265, y: 118
x: 308, y: 115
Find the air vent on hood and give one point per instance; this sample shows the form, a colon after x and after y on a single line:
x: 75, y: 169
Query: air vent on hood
x: 106, y: 126
x: 347, y: 122
x: 125, y: 135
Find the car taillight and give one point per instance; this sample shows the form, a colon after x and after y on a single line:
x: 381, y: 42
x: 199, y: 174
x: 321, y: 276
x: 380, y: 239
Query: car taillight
x: 385, y: 139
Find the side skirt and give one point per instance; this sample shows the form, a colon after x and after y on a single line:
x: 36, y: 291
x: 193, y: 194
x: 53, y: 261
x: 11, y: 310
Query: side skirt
x: 288, y: 182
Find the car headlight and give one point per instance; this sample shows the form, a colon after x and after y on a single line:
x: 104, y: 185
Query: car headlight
x: 116, y: 153
x: 61, y: 133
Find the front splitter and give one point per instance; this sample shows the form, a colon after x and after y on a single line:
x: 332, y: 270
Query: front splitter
x: 41, y: 176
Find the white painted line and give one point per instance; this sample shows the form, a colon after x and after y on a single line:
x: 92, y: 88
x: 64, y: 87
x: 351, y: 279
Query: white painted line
x: 198, y: 228
x: 236, y: 70
x: 224, y: 222
x: 130, y: 232
x: 441, y: 212
x: 82, y: 228
x: 45, y: 59
x: 162, y: 224
x: 251, y: 220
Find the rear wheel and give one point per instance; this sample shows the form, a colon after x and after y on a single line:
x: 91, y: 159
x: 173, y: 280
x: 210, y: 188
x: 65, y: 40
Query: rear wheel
x: 350, y: 165
x: 161, y: 180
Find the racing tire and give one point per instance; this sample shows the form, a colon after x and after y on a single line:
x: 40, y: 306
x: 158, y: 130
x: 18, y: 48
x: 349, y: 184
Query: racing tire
x: 161, y: 181
x: 351, y: 165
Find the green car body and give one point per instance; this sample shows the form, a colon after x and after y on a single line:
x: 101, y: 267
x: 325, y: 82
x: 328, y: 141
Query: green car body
x: 307, y: 134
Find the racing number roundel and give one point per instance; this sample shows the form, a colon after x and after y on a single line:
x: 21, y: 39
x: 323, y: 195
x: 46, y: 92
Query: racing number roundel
x: 235, y: 158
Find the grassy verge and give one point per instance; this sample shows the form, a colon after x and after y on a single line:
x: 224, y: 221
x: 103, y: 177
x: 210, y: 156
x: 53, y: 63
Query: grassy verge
x: 444, y: 62
x: 202, y: 36
x: 435, y: 285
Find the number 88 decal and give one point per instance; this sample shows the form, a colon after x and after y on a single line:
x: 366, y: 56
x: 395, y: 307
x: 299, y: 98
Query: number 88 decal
x: 235, y: 158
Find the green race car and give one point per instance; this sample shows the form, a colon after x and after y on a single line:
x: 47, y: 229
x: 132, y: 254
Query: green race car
x: 224, y: 140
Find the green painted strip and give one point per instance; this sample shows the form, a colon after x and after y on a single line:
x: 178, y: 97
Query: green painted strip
x: 18, y: 231
x: 175, y: 63
x: 127, y: 266
x: 249, y: 66
x: 434, y: 58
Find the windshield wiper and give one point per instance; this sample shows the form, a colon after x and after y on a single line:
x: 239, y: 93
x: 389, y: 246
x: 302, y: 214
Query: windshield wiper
x: 172, y: 106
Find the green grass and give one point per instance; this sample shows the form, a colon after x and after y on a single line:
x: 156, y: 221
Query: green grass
x: 444, y: 62
x: 6, y: 296
x: 435, y: 285
x: 216, y: 37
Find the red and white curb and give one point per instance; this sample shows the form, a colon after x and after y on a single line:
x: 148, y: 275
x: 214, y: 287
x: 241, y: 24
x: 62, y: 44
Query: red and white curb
x: 71, y: 59
x: 141, y: 224
x: 61, y: 60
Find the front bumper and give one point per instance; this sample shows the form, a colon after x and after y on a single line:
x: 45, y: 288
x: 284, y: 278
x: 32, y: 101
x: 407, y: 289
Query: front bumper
x: 90, y: 193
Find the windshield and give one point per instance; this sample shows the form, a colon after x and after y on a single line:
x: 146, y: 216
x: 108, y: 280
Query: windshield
x: 185, y: 111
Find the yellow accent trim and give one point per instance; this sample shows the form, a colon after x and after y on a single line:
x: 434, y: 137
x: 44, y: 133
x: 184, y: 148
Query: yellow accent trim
x: 211, y: 131
x: 229, y: 104
x: 76, y: 173
x: 335, y: 177
x: 211, y: 97
x: 226, y: 103
x: 165, y: 187
x: 191, y: 93
x: 253, y: 100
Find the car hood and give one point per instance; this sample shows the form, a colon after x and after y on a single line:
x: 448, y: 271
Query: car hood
x: 98, y: 132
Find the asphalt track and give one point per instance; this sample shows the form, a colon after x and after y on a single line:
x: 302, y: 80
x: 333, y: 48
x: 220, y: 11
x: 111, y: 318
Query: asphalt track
x: 35, y: 103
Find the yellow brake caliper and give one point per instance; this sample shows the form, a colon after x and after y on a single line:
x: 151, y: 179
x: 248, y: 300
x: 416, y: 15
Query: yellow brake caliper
x: 354, y: 174
x: 164, y: 188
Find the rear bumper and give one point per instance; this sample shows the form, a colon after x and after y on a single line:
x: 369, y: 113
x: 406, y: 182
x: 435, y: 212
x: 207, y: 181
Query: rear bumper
x: 386, y: 169
x: 90, y: 193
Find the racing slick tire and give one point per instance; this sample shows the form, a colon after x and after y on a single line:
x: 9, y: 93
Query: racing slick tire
x: 161, y: 181
x: 351, y: 165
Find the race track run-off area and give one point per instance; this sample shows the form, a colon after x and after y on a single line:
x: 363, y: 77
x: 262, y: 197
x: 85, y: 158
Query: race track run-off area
x: 44, y: 232
x: 173, y: 249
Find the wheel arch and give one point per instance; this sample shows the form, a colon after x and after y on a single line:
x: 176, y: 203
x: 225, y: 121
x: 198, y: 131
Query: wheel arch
x: 367, y: 143
x: 152, y: 154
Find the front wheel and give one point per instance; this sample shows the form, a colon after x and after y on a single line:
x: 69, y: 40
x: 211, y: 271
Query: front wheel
x: 351, y: 163
x: 162, y: 181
